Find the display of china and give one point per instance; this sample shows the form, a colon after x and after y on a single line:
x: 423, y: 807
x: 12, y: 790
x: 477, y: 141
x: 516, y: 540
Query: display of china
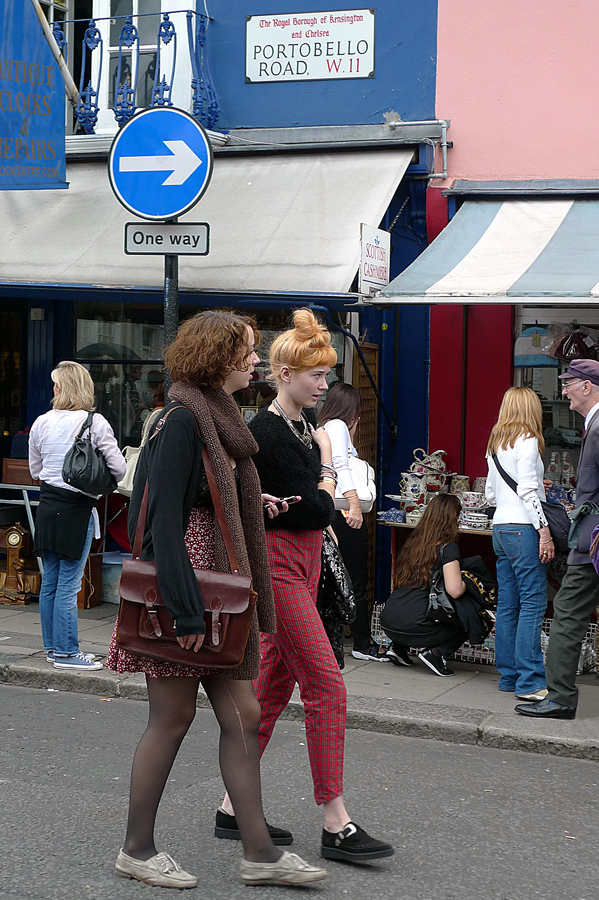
x: 413, y: 502
x: 427, y: 462
x: 479, y: 484
x: 472, y: 500
x: 435, y: 481
x: 413, y: 518
x: 471, y: 520
x: 397, y: 516
x: 458, y: 484
x: 413, y: 483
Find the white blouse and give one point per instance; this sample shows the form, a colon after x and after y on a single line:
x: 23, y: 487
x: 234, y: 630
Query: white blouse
x: 52, y: 436
x: 525, y: 465
x: 341, y: 447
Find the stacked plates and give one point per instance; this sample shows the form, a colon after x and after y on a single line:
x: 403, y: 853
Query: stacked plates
x: 471, y: 519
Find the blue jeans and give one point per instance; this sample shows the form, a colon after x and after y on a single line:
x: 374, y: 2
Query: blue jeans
x: 521, y: 605
x: 61, y: 582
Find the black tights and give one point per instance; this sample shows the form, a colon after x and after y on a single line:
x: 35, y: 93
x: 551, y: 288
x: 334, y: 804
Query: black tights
x: 172, y: 710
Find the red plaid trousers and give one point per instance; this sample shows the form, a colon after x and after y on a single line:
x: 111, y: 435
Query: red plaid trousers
x: 300, y: 652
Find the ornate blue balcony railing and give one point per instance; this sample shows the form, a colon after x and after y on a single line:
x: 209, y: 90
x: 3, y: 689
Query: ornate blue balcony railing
x: 129, y: 83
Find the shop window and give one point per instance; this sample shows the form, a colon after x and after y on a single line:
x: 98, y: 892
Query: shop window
x: 122, y: 346
x: 542, y: 352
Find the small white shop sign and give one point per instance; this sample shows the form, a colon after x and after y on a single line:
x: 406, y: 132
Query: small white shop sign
x: 310, y: 46
x: 374, y: 263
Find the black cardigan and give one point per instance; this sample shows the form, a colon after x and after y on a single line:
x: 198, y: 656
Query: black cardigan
x: 287, y: 467
x: 175, y: 455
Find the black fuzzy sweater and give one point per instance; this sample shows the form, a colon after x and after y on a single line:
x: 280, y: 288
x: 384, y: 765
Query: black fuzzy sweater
x: 287, y: 467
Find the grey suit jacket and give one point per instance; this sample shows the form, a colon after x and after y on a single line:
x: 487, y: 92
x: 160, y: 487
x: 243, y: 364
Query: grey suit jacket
x: 587, y: 488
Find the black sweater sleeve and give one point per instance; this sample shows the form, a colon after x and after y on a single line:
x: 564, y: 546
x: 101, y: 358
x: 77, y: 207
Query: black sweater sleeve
x: 287, y: 467
x: 172, y: 463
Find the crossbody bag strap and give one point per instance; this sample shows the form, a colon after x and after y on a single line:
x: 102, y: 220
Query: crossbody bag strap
x: 507, y: 478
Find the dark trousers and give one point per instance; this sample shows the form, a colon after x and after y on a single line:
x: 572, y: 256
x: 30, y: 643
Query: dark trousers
x: 577, y: 598
x: 445, y: 638
x: 353, y: 545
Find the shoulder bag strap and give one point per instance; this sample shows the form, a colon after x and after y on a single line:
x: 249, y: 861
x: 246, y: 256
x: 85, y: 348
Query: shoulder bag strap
x: 507, y: 478
x: 86, y: 424
x: 214, y: 493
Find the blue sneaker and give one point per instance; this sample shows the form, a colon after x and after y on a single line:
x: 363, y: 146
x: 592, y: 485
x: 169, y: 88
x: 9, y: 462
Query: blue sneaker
x: 50, y: 657
x: 76, y: 661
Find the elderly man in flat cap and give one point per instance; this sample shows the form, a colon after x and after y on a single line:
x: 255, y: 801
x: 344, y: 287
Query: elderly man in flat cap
x: 578, y: 596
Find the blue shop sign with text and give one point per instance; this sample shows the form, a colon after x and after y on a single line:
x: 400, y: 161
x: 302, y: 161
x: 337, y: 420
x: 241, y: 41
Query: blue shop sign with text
x: 32, y: 104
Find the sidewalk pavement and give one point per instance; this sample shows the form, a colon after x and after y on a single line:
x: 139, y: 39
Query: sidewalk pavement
x: 466, y: 709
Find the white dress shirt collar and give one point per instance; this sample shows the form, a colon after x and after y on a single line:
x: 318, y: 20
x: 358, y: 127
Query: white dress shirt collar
x: 590, y: 414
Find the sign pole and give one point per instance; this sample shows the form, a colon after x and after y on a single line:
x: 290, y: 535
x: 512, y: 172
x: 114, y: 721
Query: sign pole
x: 171, y: 304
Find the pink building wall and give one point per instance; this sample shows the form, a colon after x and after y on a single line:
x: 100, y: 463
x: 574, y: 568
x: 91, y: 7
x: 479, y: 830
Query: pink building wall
x: 519, y: 80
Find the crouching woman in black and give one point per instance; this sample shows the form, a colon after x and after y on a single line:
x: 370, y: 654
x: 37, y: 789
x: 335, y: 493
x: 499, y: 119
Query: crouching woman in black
x: 405, y: 616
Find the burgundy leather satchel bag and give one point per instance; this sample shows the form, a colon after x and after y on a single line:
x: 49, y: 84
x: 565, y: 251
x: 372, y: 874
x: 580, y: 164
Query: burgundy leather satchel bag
x: 145, y: 626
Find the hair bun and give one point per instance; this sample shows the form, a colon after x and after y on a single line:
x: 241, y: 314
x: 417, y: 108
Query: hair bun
x: 307, y: 327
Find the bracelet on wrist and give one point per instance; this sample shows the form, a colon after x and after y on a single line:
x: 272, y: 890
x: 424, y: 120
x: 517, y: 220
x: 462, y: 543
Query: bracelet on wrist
x: 550, y: 541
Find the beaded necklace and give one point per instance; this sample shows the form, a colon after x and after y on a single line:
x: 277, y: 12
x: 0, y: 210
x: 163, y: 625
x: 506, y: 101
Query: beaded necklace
x: 306, y: 437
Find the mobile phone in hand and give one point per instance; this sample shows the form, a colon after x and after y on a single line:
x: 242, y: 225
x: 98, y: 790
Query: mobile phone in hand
x: 288, y: 500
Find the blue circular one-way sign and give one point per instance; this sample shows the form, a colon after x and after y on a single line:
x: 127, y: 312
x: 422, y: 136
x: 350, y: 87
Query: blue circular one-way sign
x: 160, y: 163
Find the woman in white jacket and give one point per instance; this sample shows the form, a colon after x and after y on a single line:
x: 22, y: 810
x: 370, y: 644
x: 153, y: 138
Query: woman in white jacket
x: 339, y: 416
x: 521, y: 540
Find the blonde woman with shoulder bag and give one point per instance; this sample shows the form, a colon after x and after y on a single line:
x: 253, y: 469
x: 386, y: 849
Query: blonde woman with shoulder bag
x: 67, y: 518
x: 521, y: 540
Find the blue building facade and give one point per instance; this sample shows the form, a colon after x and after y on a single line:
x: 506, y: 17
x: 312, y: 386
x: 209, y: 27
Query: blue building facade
x: 282, y: 81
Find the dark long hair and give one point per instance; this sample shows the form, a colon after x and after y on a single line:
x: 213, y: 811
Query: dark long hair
x: 438, y: 526
x: 341, y: 402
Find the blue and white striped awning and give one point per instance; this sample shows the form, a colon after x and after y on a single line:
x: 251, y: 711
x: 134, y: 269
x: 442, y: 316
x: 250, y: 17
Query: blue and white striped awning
x: 533, y: 251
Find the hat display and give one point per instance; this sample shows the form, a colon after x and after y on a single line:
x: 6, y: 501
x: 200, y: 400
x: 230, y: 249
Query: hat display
x: 585, y: 369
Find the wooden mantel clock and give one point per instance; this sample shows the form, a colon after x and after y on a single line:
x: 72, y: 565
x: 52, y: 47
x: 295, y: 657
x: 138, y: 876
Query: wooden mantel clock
x: 20, y: 580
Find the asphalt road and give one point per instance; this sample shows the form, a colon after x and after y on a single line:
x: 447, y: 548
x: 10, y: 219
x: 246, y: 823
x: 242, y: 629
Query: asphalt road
x: 467, y: 822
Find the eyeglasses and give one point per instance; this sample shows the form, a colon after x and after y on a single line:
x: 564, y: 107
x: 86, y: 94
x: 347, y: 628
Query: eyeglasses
x: 568, y: 384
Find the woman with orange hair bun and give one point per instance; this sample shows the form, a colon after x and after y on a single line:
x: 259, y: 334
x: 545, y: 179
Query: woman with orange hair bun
x: 295, y: 460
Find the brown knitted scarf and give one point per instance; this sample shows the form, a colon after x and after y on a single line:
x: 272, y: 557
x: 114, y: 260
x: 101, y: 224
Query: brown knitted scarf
x: 227, y: 437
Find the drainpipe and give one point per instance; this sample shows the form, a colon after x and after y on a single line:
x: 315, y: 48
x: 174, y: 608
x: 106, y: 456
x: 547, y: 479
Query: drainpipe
x: 70, y: 86
x: 443, y: 143
x: 334, y: 327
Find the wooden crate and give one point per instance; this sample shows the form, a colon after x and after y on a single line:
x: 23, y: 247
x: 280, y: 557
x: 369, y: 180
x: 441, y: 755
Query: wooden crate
x: 90, y: 594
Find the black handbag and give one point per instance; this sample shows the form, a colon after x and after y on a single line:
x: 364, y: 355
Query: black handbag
x: 84, y: 466
x: 557, y: 517
x: 335, y: 601
x: 440, y: 604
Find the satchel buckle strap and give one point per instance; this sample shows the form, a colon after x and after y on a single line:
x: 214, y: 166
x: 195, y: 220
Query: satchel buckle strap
x: 216, y: 607
x: 150, y: 598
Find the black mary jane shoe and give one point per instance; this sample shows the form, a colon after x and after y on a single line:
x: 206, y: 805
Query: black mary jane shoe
x: 226, y: 828
x: 353, y: 844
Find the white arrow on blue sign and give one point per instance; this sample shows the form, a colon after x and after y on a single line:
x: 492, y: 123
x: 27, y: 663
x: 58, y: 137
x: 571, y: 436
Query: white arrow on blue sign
x: 160, y: 163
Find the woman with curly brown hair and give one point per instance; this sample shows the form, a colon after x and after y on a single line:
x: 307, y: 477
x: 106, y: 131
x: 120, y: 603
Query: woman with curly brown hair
x: 212, y: 356
x: 405, y: 616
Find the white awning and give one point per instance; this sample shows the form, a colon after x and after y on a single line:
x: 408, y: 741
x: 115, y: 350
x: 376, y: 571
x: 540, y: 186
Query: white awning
x: 286, y: 222
x: 531, y: 251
